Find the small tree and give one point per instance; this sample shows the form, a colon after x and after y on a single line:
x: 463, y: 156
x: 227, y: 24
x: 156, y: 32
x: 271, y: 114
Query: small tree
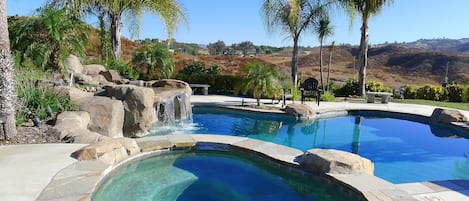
x: 156, y: 60
x: 260, y: 80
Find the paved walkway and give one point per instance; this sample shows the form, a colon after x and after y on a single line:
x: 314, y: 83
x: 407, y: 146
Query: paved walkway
x: 26, y: 169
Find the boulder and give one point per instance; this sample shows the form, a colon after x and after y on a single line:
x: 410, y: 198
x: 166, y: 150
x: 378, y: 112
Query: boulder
x: 99, y: 79
x: 83, y: 79
x: 72, y: 64
x: 111, y: 151
x: 72, y: 93
x: 111, y: 76
x: 171, y: 84
x: 446, y: 116
x: 93, y: 69
x: 138, y: 106
x: 300, y: 111
x: 83, y: 136
x: 107, y: 115
x: 324, y: 161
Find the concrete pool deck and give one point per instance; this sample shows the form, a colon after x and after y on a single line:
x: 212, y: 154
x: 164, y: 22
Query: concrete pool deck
x: 27, y: 169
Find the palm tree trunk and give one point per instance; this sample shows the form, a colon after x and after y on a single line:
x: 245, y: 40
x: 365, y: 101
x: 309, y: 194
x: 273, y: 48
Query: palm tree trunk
x: 363, y: 58
x: 7, y: 92
x: 294, y: 62
x: 116, y: 28
x: 320, y: 63
x: 329, y: 66
x: 104, y: 38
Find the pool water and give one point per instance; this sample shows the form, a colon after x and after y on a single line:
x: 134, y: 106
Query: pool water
x: 212, y: 176
x: 402, y: 151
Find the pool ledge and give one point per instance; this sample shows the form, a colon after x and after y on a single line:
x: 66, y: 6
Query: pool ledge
x: 79, y: 180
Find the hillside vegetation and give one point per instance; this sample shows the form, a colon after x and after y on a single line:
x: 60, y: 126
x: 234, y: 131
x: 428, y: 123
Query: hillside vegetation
x: 393, y: 64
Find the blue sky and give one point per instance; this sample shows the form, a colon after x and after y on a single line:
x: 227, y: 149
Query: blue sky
x: 234, y: 21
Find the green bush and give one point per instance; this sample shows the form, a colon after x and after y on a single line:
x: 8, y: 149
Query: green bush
x: 328, y: 97
x: 34, y: 96
x: 410, y: 92
x: 198, y: 68
x: 219, y: 84
x: 377, y: 87
x: 455, y: 93
x: 430, y: 92
x: 124, y: 69
x: 349, y: 89
x: 466, y: 94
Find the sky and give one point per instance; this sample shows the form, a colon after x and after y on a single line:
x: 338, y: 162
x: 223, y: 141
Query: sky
x: 235, y: 21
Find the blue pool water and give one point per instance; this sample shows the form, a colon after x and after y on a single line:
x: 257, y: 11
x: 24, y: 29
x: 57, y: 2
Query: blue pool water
x: 402, y: 151
x: 212, y: 176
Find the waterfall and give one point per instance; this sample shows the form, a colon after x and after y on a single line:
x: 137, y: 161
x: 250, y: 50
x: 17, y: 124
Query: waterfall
x: 173, y: 114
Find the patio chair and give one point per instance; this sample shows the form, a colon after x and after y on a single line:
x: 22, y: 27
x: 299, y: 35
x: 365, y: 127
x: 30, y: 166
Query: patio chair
x: 310, y: 90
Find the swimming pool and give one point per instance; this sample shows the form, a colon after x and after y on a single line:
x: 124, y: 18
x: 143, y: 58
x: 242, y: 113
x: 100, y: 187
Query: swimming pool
x: 213, y: 176
x: 403, y: 151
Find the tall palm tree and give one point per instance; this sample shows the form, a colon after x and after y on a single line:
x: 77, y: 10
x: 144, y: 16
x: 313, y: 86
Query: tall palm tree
x: 7, y: 92
x: 170, y: 12
x: 293, y: 17
x: 323, y: 29
x: 331, y: 48
x: 260, y: 80
x: 366, y: 9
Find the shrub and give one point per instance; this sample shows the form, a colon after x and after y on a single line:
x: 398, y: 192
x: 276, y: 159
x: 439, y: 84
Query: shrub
x: 219, y: 84
x: 124, y: 69
x: 328, y: 97
x: 430, y: 92
x: 198, y: 68
x: 377, y: 87
x: 410, y: 92
x: 349, y: 89
x: 455, y: 93
x: 35, y: 96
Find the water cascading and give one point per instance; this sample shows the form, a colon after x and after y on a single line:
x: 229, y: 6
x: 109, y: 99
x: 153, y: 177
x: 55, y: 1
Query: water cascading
x: 173, y: 110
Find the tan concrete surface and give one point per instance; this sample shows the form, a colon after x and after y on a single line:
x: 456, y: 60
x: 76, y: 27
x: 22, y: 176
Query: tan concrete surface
x: 26, y: 169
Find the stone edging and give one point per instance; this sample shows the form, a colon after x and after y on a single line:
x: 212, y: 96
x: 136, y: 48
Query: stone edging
x: 79, y: 180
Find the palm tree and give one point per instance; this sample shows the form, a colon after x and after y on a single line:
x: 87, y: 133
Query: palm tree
x: 170, y: 11
x: 7, y: 92
x: 292, y: 17
x: 323, y: 29
x: 156, y: 59
x: 367, y: 9
x: 47, y: 39
x: 261, y: 80
x: 331, y: 48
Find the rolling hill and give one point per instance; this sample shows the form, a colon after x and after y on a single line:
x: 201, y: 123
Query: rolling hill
x: 418, y: 63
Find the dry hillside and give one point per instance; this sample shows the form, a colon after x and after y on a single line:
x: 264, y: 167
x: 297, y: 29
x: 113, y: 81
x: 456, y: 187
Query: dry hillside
x: 394, y: 65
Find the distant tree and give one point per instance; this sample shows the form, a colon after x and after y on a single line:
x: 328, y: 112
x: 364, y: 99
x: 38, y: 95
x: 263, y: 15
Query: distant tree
x: 323, y: 29
x: 157, y: 61
x: 216, y: 48
x: 293, y: 18
x: 7, y: 89
x: 245, y: 46
x: 48, y: 38
x: 331, y: 48
x: 367, y: 9
x: 260, y: 80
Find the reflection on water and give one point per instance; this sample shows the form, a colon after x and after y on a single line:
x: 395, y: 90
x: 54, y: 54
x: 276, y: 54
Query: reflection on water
x: 403, y: 151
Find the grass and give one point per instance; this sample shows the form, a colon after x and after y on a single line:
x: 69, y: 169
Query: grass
x: 461, y: 106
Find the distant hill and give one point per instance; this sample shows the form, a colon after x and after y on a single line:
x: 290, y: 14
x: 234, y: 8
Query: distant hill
x: 440, y: 45
x: 420, y: 62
